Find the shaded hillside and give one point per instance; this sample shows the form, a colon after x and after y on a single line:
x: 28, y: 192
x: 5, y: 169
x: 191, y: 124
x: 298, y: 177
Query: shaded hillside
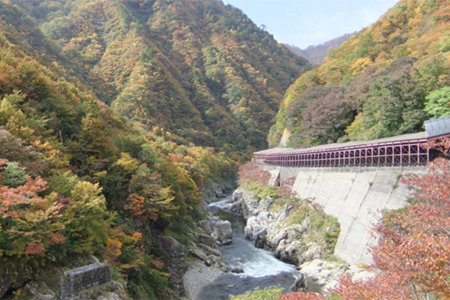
x: 316, y: 54
x: 195, y: 67
x: 78, y: 179
x: 385, y: 80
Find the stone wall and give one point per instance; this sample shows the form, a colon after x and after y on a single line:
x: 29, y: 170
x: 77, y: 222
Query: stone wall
x: 357, y: 197
x: 74, y: 281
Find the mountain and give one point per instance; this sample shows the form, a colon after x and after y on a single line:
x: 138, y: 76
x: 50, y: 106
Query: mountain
x: 316, y: 54
x: 200, y: 69
x: 383, y: 81
x: 102, y: 104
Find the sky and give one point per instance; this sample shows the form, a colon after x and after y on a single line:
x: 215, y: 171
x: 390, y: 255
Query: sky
x: 311, y: 22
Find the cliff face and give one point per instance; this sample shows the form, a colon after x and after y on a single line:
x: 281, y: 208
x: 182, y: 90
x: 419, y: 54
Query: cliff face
x: 279, y: 227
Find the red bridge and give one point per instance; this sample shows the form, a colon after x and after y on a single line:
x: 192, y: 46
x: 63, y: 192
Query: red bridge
x: 403, y: 150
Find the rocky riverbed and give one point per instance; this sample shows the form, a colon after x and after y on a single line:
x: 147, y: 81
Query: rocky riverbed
x: 268, y: 226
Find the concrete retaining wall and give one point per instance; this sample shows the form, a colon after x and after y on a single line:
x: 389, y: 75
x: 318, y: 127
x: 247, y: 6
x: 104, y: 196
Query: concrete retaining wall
x: 357, y: 197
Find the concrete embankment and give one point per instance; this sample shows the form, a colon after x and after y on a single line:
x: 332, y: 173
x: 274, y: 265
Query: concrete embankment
x: 356, y: 197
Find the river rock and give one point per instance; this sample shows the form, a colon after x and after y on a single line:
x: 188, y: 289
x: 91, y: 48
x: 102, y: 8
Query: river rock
x: 237, y: 269
x: 269, y: 229
x: 215, y: 191
x: 197, y: 253
x: 287, y: 251
x: 327, y: 273
x: 219, y: 229
x: 257, y: 227
x: 206, y: 240
x: 248, y: 205
x: 211, y: 251
x: 300, y: 284
x: 109, y: 296
x: 275, y: 241
x: 264, y: 204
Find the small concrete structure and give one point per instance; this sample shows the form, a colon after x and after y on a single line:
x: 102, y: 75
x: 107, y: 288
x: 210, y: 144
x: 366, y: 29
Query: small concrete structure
x: 77, y: 280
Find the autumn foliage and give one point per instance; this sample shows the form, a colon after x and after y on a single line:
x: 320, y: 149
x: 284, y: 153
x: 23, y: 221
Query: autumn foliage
x: 34, y: 225
x: 251, y: 173
x: 415, y: 245
x: 383, y: 81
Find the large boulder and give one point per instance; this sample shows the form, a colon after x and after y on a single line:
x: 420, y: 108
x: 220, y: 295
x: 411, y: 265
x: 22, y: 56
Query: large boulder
x: 257, y: 228
x: 289, y: 251
x: 197, y: 253
x: 219, y: 229
x: 175, y: 261
x: 216, y: 191
x: 13, y: 276
x: 300, y: 284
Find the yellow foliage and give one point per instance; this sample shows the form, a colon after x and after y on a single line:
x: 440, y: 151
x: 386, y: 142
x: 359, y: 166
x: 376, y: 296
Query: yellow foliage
x: 113, y: 249
x: 360, y: 65
x: 128, y: 163
x: 99, y: 175
x: 158, y: 264
x: 356, y: 131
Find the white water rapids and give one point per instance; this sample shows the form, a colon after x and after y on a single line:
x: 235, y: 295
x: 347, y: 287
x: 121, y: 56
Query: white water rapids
x: 261, y: 268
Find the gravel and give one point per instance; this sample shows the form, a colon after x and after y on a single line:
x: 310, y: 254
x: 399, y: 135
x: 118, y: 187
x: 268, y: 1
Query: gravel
x: 198, y: 277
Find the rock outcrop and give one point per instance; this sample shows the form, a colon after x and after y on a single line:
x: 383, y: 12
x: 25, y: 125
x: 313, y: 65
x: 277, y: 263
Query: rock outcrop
x: 218, y: 229
x: 269, y: 228
x: 326, y: 274
x: 300, y: 284
x: 13, y: 276
x: 174, y: 260
x: 215, y: 191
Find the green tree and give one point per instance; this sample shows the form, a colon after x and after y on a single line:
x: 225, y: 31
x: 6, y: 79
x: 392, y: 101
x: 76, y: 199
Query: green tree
x: 438, y: 103
x: 14, y: 175
x: 87, y: 218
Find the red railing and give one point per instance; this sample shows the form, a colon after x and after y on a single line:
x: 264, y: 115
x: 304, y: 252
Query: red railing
x: 372, y: 154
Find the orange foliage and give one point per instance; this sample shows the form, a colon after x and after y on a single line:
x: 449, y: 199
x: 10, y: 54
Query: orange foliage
x: 34, y: 249
x: 113, y: 249
x: 138, y: 207
x: 382, y: 287
x: 56, y: 238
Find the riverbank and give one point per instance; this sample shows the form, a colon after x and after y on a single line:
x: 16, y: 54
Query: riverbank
x: 202, y: 282
x: 197, y: 277
x: 298, y: 233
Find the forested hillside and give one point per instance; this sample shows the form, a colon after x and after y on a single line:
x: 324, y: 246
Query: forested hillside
x: 79, y: 178
x: 316, y: 54
x: 385, y: 80
x: 197, y: 68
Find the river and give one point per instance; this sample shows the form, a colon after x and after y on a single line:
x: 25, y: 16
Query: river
x: 261, y: 268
